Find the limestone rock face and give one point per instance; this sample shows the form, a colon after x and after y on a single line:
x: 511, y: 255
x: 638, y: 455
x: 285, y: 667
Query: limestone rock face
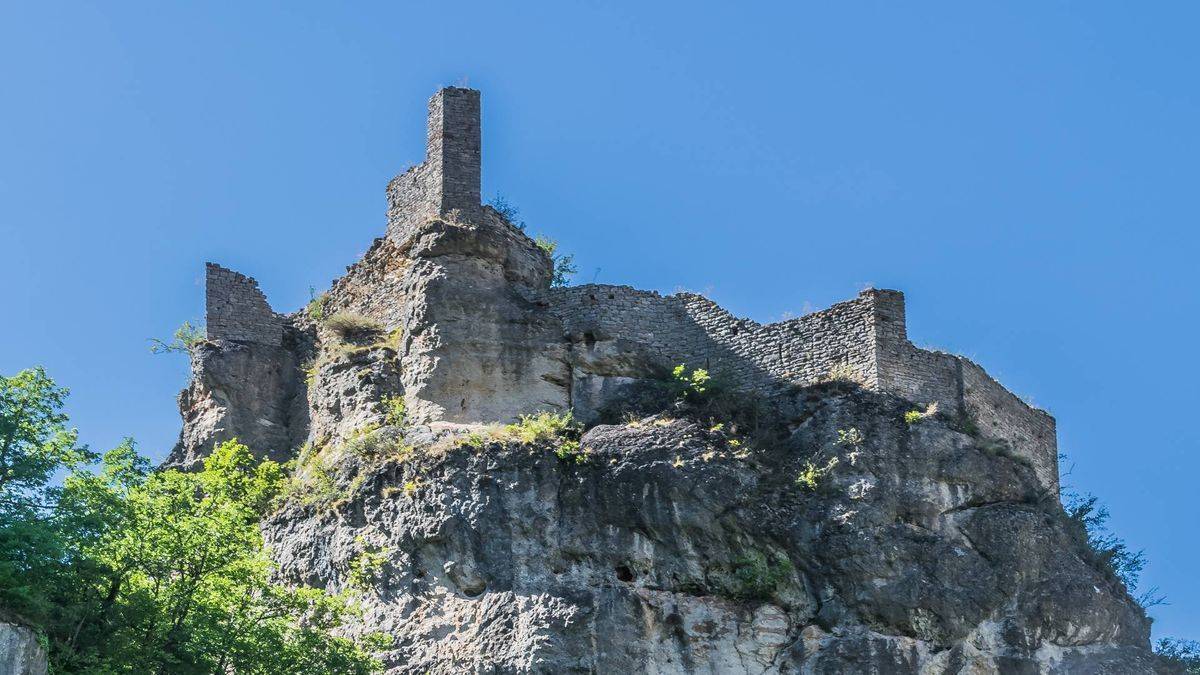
x: 20, y: 651
x: 238, y: 389
x: 675, y: 548
x: 477, y: 346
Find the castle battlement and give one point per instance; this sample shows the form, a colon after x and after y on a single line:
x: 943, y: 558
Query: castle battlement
x: 486, y: 339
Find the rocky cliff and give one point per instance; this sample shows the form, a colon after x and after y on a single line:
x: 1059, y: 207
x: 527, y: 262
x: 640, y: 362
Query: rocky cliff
x: 794, y: 522
x: 840, y: 539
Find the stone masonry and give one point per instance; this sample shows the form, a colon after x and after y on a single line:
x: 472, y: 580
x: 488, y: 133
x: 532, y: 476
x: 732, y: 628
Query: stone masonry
x: 485, y: 338
x: 449, y: 178
x: 235, y: 309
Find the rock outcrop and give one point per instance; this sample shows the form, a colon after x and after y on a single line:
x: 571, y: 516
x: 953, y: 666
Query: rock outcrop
x: 20, y: 651
x: 665, y: 546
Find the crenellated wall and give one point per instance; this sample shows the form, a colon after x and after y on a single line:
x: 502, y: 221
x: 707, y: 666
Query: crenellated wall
x: 235, y: 309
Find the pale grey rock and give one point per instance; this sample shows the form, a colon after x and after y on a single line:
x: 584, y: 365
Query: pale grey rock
x: 348, y: 392
x: 477, y: 348
x: 238, y: 390
x: 20, y: 651
x: 510, y: 559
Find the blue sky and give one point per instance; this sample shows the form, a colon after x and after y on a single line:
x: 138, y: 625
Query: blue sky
x: 1025, y: 172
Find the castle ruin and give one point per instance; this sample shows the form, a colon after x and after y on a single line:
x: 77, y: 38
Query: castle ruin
x: 479, y: 335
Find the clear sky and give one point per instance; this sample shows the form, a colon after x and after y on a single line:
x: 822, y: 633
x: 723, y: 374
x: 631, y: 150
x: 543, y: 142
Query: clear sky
x: 1025, y: 172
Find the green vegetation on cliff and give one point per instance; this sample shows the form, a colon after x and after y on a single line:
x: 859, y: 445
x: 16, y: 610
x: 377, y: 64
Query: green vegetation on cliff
x: 128, y: 570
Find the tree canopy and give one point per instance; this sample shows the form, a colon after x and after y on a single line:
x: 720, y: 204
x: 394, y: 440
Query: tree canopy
x: 129, y: 570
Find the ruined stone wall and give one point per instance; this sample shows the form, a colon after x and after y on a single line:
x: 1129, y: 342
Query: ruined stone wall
x: 838, y: 339
x: 1000, y: 414
x: 917, y: 374
x: 449, y: 178
x: 482, y: 334
x: 691, y: 329
x: 235, y: 309
x: 412, y: 197
x: 960, y: 386
x: 865, y: 337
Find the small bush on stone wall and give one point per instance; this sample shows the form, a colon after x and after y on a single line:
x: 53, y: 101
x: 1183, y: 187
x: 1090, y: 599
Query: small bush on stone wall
x: 694, y: 386
x: 844, y: 373
x: 316, y: 304
x: 851, y: 437
x: 373, y: 445
x: 367, y: 566
x: 184, y: 339
x: 810, y: 476
x: 564, y: 263
x: 474, y: 440
x: 363, y: 441
x: 569, y: 451
x: 697, y: 395
x: 913, y: 416
x: 1110, y: 553
x: 541, y: 427
x: 317, y: 485
x: 394, y: 410
x: 509, y: 210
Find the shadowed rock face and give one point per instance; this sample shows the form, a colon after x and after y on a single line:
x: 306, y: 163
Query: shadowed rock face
x: 674, y: 549
x: 242, y: 390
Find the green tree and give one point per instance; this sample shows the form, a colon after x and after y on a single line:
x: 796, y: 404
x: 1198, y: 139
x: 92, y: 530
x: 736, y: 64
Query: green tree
x: 35, y: 443
x: 34, y: 439
x: 126, y: 570
x: 180, y: 582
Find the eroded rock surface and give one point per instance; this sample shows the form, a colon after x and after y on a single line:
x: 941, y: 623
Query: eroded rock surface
x: 674, y: 548
x: 243, y: 390
x: 20, y: 651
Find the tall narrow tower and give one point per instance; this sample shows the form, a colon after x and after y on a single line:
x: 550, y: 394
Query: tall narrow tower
x: 449, y: 178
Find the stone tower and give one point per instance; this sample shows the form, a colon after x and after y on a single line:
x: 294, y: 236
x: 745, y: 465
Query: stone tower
x: 449, y: 178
